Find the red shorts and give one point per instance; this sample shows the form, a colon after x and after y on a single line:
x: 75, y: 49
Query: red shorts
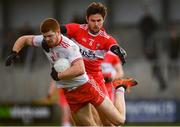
x: 82, y: 95
x: 100, y: 81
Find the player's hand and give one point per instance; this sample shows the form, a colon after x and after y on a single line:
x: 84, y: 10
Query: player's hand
x: 123, y: 55
x: 45, y: 46
x: 120, y: 52
x: 12, y: 58
x: 54, y: 74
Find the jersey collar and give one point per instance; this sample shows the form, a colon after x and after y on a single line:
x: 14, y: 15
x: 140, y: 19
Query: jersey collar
x: 101, y: 30
x: 94, y: 35
x: 60, y: 41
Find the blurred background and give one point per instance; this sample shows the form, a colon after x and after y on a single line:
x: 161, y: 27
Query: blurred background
x: 149, y: 30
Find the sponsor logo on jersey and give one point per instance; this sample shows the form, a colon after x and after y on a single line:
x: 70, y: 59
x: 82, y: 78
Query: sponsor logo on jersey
x: 87, y: 53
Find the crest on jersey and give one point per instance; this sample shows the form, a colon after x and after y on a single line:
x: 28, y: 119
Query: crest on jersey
x: 91, y: 41
x: 83, y: 39
x: 97, y: 46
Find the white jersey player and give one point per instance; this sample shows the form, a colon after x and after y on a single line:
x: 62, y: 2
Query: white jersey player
x: 66, y: 49
x: 81, y: 89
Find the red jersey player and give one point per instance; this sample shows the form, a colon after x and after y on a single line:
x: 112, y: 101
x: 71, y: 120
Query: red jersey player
x: 94, y: 42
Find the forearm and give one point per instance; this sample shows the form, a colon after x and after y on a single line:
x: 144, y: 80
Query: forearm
x: 118, y: 75
x: 119, y: 71
x: 72, y: 72
x: 21, y: 42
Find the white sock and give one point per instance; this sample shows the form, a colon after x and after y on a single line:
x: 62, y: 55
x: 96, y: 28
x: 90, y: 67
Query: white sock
x: 121, y: 89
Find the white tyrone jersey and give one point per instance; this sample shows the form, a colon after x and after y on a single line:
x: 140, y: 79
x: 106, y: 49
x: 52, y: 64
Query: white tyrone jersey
x: 66, y: 49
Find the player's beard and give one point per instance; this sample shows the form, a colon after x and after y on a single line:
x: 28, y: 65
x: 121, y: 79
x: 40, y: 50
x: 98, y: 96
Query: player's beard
x: 95, y: 30
x: 50, y: 44
x: 53, y: 43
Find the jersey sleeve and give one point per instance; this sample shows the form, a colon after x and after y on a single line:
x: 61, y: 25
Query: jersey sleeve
x: 37, y: 40
x: 74, y: 53
x: 110, y: 42
x: 72, y: 29
x: 110, y: 57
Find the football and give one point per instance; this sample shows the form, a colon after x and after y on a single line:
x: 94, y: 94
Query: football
x: 61, y: 65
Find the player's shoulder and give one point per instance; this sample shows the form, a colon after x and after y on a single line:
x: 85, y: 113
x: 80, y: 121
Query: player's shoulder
x: 38, y: 37
x: 68, y: 43
x: 37, y: 40
x: 105, y: 35
x: 83, y: 26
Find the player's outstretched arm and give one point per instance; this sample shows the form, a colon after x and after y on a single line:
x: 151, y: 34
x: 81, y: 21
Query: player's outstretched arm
x: 22, y: 41
x: 18, y: 45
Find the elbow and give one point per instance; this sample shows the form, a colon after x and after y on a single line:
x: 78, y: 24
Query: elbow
x: 123, y: 121
x: 81, y: 72
x: 120, y: 122
x: 24, y: 37
x: 22, y: 40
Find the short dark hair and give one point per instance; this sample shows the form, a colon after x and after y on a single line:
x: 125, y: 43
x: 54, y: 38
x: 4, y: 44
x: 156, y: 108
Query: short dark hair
x: 49, y: 24
x: 96, y: 8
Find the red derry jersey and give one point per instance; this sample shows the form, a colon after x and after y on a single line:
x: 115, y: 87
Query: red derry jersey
x: 66, y: 49
x: 92, y: 47
x: 110, y: 60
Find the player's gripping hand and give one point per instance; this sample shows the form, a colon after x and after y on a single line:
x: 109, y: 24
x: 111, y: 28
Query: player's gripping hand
x: 54, y: 74
x: 45, y: 46
x: 123, y: 55
x: 12, y: 58
x: 120, y: 52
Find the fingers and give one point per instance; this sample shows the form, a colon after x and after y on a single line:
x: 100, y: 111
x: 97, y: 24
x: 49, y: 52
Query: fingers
x: 8, y: 61
x: 13, y: 57
x: 54, y: 74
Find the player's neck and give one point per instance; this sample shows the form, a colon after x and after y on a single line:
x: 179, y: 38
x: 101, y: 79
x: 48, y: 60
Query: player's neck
x: 93, y: 33
x: 59, y: 40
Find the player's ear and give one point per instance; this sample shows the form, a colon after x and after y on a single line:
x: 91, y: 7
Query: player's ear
x: 58, y: 31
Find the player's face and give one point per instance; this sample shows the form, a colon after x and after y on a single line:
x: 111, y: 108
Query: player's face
x: 52, y: 38
x: 95, y: 22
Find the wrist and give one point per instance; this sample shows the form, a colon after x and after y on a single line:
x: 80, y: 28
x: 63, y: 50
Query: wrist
x: 14, y: 52
x: 58, y: 75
